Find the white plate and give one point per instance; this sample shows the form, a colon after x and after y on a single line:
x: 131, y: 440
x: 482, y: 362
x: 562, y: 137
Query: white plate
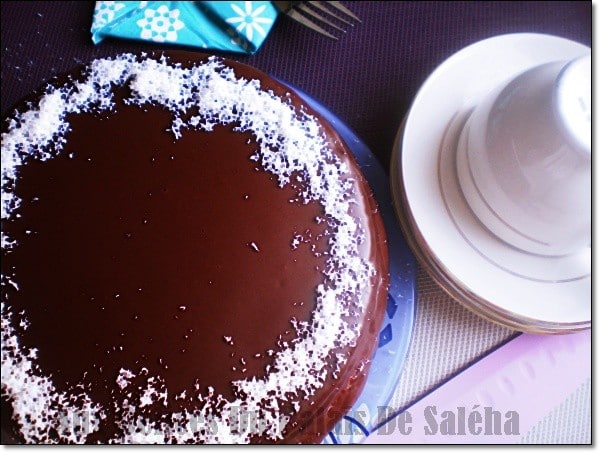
x: 517, y: 289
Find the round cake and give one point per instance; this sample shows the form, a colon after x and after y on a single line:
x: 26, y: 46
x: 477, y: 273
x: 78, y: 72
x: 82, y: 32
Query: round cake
x: 190, y: 254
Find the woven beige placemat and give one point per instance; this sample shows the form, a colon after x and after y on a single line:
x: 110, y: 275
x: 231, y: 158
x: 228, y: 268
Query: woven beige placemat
x: 448, y: 338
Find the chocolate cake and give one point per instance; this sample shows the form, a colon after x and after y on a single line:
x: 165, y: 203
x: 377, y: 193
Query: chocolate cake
x: 190, y: 254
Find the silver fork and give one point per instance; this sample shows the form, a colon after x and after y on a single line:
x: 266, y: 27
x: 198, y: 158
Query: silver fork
x: 316, y: 15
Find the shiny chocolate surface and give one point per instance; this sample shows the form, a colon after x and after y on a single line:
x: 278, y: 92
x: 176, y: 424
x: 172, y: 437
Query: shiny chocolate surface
x: 174, y: 258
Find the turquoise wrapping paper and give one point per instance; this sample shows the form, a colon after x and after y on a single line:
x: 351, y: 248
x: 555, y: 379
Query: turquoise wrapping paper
x: 239, y: 27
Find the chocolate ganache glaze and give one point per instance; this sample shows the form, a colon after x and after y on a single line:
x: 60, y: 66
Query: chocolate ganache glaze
x: 167, y: 276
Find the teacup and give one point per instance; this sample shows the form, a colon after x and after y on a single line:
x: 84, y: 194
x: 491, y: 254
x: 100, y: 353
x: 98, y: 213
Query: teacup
x: 524, y: 159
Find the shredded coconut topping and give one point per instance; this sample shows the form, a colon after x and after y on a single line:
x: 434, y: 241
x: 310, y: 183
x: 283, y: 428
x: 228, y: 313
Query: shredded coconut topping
x: 288, y: 143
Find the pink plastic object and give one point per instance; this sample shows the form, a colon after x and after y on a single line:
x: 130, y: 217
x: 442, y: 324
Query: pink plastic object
x: 499, y: 398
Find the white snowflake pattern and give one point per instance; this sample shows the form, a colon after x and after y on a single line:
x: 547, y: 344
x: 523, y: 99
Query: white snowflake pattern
x: 160, y: 24
x: 249, y: 20
x: 104, y: 13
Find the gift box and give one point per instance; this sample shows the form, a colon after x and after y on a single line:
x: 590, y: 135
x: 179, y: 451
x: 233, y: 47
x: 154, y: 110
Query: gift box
x: 239, y: 27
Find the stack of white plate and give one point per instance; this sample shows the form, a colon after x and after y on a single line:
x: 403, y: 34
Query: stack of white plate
x: 523, y: 291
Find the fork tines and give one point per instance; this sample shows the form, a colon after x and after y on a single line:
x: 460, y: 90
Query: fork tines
x: 319, y: 15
